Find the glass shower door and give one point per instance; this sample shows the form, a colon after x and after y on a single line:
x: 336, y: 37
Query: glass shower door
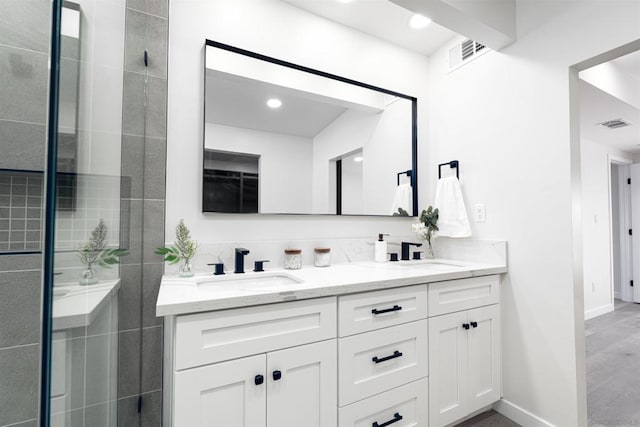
x: 87, y: 249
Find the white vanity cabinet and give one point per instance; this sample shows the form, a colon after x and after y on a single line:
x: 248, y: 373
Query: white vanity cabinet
x: 464, y: 348
x: 425, y: 355
x: 270, y: 366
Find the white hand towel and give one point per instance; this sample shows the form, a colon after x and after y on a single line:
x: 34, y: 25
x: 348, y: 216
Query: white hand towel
x: 403, y: 198
x: 452, y: 220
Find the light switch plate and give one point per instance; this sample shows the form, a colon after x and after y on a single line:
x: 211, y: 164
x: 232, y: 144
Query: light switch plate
x: 479, y: 213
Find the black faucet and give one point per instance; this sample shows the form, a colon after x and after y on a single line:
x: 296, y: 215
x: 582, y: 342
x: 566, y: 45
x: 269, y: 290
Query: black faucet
x: 405, y: 249
x: 240, y: 253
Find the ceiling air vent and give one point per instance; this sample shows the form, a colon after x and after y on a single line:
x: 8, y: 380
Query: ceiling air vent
x: 615, y: 124
x: 463, y: 52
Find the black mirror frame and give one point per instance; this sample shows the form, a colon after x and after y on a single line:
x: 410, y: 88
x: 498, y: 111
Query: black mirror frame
x: 414, y: 114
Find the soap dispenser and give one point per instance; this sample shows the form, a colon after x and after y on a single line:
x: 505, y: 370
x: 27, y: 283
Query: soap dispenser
x: 381, y: 249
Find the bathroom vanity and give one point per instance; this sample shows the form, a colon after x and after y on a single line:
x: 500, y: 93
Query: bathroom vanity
x: 360, y: 344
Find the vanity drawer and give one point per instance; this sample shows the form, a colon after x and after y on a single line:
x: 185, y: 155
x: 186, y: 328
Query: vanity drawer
x: 228, y: 334
x: 376, y: 361
x: 408, y: 401
x: 374, y: 310
x: 463, y: 294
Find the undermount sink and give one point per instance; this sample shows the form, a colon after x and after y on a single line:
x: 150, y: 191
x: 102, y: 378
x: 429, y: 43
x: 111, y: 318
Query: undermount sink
x: 252, y: 281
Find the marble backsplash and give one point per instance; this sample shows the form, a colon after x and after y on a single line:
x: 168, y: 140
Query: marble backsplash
x: 343, y: 251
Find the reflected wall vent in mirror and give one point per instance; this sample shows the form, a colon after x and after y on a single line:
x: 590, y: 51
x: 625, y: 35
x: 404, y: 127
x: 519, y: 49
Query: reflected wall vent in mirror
x: 297, y: 125
x: 463, y: 52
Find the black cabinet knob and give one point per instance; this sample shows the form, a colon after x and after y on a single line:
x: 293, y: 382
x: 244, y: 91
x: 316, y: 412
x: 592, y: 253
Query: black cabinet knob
x: 474, y: 324
x: 259, y: 379
x: 277, y: 375
x: 465, y: 326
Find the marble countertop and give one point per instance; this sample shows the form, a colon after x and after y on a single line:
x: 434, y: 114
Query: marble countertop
x: 208, y: 292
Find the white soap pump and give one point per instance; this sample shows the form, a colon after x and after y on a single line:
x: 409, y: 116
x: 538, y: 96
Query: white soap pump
x: 381, y: 249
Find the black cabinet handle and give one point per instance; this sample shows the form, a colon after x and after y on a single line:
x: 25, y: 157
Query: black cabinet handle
x: 259, y: 379
x: 277, y: 375
x: 377, y: 359
x: 387, y: 310
x: 474, y: 324
x: 396, y: 417
x: 466, y: 326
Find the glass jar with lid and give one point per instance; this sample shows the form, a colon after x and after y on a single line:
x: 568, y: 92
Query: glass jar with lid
x: 322, y: 257
x: 293, y: 259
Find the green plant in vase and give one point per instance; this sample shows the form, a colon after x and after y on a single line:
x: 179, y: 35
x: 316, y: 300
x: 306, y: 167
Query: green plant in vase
x: 427, y: 227
x: 94, y: 252
x: 183, y: 250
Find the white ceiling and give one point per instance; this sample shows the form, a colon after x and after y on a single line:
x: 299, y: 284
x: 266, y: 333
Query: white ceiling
x: 597, y: 106
x: 241, y: 102
x: 382, y: 19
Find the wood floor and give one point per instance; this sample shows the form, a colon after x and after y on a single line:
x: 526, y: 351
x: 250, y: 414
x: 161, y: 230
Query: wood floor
x: 489, y: 419
x: 613, y: 367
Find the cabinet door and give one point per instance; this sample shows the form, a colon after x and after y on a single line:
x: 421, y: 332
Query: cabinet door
x: 484, y: 340
x: 447, y: 369
x: 302, y: 386
x: 224, y: 394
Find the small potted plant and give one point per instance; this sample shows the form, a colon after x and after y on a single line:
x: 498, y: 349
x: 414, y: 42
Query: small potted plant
x: 183, y: 250
x: 427, y: 227
x: 94, y: 252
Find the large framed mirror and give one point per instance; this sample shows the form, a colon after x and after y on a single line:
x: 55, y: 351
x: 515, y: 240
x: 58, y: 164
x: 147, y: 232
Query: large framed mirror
x: 281, y: 138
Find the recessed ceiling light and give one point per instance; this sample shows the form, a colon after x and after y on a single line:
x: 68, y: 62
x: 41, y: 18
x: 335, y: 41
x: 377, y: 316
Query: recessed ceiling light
x: 418, y: 21
x: 358, y: 159
x: 274, y: 103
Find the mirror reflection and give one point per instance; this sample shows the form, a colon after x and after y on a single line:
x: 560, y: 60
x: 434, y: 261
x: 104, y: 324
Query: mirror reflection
x: 282, y: 138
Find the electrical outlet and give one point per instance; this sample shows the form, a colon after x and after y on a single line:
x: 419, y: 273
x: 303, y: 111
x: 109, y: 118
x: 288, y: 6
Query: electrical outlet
x: 479, y: 213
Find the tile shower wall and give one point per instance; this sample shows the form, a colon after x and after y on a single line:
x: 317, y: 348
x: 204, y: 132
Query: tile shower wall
x: 142, y: 206
x: 20, y: 211
x: 24, y: 47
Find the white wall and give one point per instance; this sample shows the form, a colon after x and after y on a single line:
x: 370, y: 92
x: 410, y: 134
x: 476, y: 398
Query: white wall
x: 276, y: 29
x: 598, y: 298
x: 506, y: 117
x: 284, y: 166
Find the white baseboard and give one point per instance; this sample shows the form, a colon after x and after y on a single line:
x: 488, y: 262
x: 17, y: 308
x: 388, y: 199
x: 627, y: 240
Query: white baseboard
x: 598, y: 311
x: 519, y: 415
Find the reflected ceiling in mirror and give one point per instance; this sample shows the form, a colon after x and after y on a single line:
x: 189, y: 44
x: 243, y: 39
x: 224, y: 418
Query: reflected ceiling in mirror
x: 283, y: 138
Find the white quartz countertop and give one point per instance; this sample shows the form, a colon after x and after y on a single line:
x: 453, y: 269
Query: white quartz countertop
x: 77, y: 305
x: 208, y: 292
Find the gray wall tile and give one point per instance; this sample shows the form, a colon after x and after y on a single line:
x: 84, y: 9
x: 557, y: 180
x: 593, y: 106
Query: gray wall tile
x: 19, y: 308
x: 23, y: 145
x: 20, y: 262
x: 129, y: 363
x: 30, y: 423
x: 131, y: 221
x: 153, y: 230
x: 152, y: 356
x: 25, y: 24
x: 152, y: 276
x: 155, y: 7
x: 138, y: 120
x: 132, y: 161
x: 128, y: 415
x: 19, y: 368
x: 146, y: 32
x: 152, y: 409
x: 23, y: 79
x: 129, y: 296
x: 155, y: 170
x: 100, y: 377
